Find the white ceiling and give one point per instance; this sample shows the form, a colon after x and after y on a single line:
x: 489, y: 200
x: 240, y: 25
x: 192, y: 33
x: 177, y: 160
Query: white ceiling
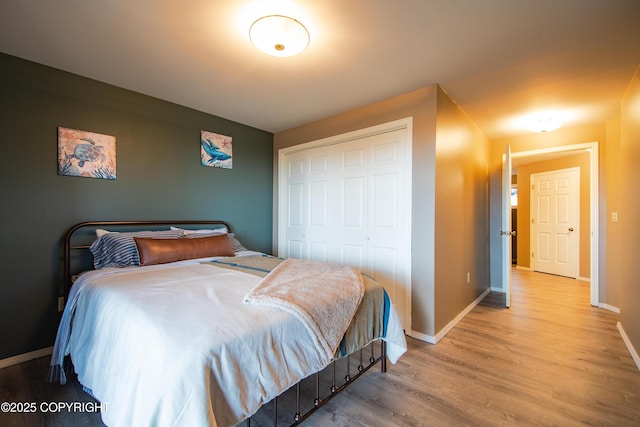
x: 498, y: 59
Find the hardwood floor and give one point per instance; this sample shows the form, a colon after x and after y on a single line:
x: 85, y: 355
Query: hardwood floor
x: 551, y: 359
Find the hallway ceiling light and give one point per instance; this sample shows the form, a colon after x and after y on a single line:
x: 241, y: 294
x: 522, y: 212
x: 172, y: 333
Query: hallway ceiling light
x: 279, y: 35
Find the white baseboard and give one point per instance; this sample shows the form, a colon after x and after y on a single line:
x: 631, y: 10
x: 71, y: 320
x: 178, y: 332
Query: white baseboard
x: 584, y: 279
x: 495, y: 289
x: 609, y: 307
x: 25, y: 357
x: 460, y: 316
x: 434, y: 339
x: 519, y: 267
x: 422, y: 337
x: 627, y: 342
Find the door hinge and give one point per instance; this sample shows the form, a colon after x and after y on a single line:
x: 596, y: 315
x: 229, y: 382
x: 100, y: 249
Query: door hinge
x: 533, y: 221
x: 533, y: 186
x: 532, y: 255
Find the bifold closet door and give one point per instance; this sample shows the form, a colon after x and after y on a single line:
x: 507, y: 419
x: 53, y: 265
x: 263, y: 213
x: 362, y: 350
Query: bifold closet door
x: 349, y: 203
x: 369, y: 233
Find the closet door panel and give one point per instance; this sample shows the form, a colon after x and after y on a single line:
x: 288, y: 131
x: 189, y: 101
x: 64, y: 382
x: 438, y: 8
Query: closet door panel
x: 318, y: 204
x: 318, y: 251
x: 353, y: 156
x: 317, y: 237
x: 318, y: 220
x: 386, y: 151
x: 387, y: 230
x: 296, y: 206
x: 351, y: 173
x: 384, y: 268
x: 295, y: 249
x: 352, y: 202
x: 353, y: 255
x: 384, y: 193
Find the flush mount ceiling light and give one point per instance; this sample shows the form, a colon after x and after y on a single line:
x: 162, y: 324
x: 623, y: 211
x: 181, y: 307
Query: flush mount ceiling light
x: 544, y: 124
x: 279, y: 35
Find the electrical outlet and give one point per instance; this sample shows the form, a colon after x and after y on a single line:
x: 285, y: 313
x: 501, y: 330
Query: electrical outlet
x: 614, y: 216
x: 60, y: 304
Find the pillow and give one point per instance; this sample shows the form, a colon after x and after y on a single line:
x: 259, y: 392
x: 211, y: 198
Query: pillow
x: 222, y: 230
x: 115, y: 249
x: 235, y: 244
x: 160, y: 251
x: 100, y: 232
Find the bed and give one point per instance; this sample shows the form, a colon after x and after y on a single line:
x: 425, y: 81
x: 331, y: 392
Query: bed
x: 188, y: 327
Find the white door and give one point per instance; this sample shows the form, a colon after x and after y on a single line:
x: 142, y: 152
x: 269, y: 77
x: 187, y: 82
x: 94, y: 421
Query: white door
x: 555, y: 217
x: 387, y: 234
x: 506, y: 232
x: 307, y: 215
x: 317, y: 201
x: 349, y: 203
x: 296, y: 207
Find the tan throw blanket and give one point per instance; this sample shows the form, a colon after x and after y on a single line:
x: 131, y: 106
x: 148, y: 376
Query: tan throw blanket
x: 324, y: 297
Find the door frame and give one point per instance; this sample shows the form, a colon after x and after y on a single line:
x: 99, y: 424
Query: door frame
x: 594, y: 191
x: 506, y: 226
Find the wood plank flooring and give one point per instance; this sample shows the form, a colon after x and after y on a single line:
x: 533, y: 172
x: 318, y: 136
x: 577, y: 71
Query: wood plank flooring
x: 551, y: 359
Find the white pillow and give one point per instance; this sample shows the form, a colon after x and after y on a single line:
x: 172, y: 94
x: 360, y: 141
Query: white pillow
x: 100, y: 232
x: 215, y: 231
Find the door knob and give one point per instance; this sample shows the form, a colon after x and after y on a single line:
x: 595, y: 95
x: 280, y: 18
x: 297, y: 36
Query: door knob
x: 570, y: 228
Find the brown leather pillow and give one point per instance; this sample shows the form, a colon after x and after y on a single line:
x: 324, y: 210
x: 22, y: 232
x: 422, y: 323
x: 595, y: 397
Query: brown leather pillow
x: 160, y: 251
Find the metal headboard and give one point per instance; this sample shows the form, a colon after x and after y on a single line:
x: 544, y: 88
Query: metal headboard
x: 120, y: 226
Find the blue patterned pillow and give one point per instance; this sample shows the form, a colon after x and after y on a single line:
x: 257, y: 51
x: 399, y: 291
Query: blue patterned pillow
x: 114, y: 249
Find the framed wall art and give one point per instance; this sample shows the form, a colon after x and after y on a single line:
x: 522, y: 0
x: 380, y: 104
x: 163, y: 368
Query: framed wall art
x: 86, y: 154
x: 216, y: 150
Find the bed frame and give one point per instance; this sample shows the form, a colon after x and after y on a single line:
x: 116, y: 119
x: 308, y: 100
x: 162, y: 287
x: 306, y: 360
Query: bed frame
x: 320, y: 399
x: 79, y: 237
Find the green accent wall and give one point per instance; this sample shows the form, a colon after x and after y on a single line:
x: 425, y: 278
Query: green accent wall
x: 159, y: 176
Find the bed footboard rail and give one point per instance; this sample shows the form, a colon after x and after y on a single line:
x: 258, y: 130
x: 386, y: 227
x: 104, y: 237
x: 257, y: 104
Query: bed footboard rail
x: 336, y: 385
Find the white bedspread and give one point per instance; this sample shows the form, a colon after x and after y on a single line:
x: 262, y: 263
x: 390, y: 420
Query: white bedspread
x: 149, y: 345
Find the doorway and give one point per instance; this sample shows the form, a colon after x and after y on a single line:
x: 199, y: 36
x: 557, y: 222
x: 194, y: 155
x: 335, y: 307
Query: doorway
x: 524, y: 157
